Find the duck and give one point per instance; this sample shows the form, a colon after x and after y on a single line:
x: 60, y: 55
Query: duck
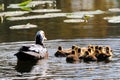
x: 89, y: 56
x: 36, y: 51
x: 109, y: 52
x: 64, y: 52
x: 60, y: 52
x: 82, y: 52
x: 101, y: 54
x: 73, y: 57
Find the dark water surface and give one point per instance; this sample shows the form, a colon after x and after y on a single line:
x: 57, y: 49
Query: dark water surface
x: 97, y: 31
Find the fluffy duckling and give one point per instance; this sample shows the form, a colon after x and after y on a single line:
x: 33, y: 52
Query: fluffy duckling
x: 101, y: 54
x: 109, y: 51
x: 73, y: 57
x: 89, y: 56
x: 82, y: 52
x: 60, y: 52
x: 64, y: 52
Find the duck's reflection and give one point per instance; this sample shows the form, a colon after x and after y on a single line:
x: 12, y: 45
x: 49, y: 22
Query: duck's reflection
x: 33, y: 67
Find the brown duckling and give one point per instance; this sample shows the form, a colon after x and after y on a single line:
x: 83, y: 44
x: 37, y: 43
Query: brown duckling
x: 82, y: 52
x: 64, y: 52
x: 101, y: 54
x: 60, y: 52
x: 109, y: 51
x: 73, y: 57
x: 89, y: 56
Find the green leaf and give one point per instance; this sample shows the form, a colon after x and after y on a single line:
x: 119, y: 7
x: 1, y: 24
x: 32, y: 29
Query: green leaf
x: 24, y: 3
x: 26, y: 8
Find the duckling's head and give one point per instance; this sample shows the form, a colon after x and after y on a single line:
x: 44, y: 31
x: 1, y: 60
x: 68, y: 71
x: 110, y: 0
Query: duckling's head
x: 73, y: 52
x: 100, y: 48
x: 108, y: 48
x: 73, y: 47
x: 87, y: 53
x: 40, y: 37
x: 79, y: 50
x: 96, y: 47
x: 60, y: 48
x: 90, y: 50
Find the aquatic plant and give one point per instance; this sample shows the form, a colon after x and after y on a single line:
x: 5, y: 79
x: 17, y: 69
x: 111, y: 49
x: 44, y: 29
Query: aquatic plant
x: 2, y: 7
x: 23, y: 5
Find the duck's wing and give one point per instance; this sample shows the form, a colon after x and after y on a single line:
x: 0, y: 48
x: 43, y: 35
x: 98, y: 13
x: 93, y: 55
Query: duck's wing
x: 33, y: 48
x: 32, y: 52
x: 38, y: 49
x: 24, y: 48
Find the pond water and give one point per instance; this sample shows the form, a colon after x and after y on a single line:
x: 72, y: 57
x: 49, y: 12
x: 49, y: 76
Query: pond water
x: 101, y: 29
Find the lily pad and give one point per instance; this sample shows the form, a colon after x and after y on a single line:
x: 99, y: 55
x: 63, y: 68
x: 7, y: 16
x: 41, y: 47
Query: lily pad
x: 13, y: 13
x: 26, y: 26
x: 74, y: 20
x: 114, y: 10
x: 78, y: 16
x: 89, y: 12
x: 29, y: 17
x: 57, y: 14
x: 46, y: 10
x: 31, y: 4
x: 113, y: 19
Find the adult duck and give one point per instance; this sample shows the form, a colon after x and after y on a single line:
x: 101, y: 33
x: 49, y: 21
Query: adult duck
x: 34, y: 52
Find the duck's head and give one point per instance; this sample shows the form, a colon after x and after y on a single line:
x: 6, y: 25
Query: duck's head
x: 40, y: 37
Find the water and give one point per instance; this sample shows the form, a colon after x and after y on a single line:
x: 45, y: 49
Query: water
x: 97, y: 31
x: 57, y: 68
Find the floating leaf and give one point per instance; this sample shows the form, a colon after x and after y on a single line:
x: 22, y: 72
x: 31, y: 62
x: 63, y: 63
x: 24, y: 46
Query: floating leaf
x: 26, y: 26
x: 25, y: 3
x: 30, y: 17
x: 114, y: 9
x: 113, y: 19
x: 74, y: 20
x: 13, y: 13
x: 31, y: 4
x: 26, y: 8
x: 46, y: 10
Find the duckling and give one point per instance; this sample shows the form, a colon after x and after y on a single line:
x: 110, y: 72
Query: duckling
x: 101, y: 54
x: 73, y: 57
x: 96, y: 47
x: 69, y: 51
x: 64, y: 52
x: 60, y: 52
x: 89, y: 56
x: 109, y: 52
x: 82, y: 53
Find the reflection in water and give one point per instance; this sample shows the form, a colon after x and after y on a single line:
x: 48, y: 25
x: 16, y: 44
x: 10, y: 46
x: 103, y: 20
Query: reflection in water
x: 24, y: 66
x: 78, y: 5
x: 38, y: 67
